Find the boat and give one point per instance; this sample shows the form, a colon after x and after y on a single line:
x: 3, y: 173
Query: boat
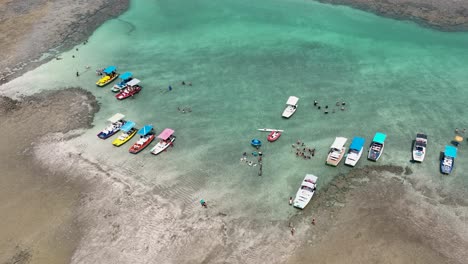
x: 419, y: 147
x: 377, y: 146
x: 115, y: 123
x: 273, y: 136
x: 146, y: 137
x: 448, y: 159
x: 355, y: 151
x: 167, y: 139
x: 110, y: 74
x: 124, y: 79
x: 306, y: 191
x: 269, y: 130
x: 131, y: 89
x: 337, y: 151
x: 129, y: 131
x: 291, y: 106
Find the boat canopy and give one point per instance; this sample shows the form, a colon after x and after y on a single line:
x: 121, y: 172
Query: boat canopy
x: 116, y: 118
x: 450, y: 151
x: 357, y: 143
x: 379, y: 137
x: 127, y: 126
x: 292, y: 100
x: 133, y: 82
x: 166, y: 134
x: 126, y: 75
x: 145, y: 130
x: 339, y: 143
x: 110, y: 69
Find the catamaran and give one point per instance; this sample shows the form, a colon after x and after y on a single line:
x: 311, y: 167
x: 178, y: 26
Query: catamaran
x: 129, y: 131
x: 116, y: 122
x: 377, y: 146
x: 448, y: 160
x: 306, y: 191
x: 146, y: 137
x: 131, y: 89
x: 355, y: 151
x: 337, y: 151
x: 124, y: 79
x: 110, y: 74
x: 167, y: 139
x: 419, y: 147
x: 291, y: 106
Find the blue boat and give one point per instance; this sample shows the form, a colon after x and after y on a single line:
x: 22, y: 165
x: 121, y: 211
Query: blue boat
x: 256, y: 143
x: 448, y: 160
x: 124, y: 79
x: 377, y: 146
x: 355, y: 151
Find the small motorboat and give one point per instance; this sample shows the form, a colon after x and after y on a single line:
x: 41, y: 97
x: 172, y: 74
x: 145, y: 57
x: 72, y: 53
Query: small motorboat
x: 129, y: 131
x: 131, y: 89
x: 291, y: 106
x: 337, y: 151
x: 273, y: 136
x: 124, y: 79
x: 110, y: 74
x: 355, y: 151
x: 306, y: 191
x: 146, y: 137
x: 419, y: 147
x: 115, y: 123
x: 256, y: 143
x: 377, y: 146
x: 167, y: 139
x: 448, y: 159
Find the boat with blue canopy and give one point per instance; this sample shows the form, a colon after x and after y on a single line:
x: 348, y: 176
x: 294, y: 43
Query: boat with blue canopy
x: 129, y: 131
x: 146, y: 137
x: 448, y: 160
x: 377, y: 146
x: 124, y: 79
x: 167, y: 139
x: 110, y: 74
x: 355, y: 151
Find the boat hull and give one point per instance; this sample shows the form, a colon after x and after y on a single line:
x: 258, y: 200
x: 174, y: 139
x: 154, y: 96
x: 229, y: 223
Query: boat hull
x: 333, y: 159
x: 124, y: 95
x: 135, y: 149
x: 287, y: 113
x: 446, y: 169
x: 418, y: 156
x: 104, y: 83
x: 102, y: 135
x: 160, y: 147
x: 119, y: 142
x: 305, y: 192
x: 373, y: 154
x: 352, y: 158
x: 273, y: 136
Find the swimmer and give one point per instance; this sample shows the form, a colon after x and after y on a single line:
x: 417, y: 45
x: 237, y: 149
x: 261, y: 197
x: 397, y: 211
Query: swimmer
x: 342, y: 108
x: 315, y: 102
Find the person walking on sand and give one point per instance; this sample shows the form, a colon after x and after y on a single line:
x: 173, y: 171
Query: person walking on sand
x: 290, y: 200
x: 203, y: 203
x: 313, y: 221
x: 77, y: 74
x: 293, y: 230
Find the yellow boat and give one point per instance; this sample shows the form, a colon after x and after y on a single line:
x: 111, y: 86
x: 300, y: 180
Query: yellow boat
x: 128, y: 132
x: 110, y: 75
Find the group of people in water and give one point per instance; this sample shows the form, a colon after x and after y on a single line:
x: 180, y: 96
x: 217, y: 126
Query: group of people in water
x: 340, y: 104
x: 184, y: 109
x: 303, y: 151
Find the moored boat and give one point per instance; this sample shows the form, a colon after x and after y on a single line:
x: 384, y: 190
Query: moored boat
x: 377, y: 146
x: 448, y: 160
x: 129, y: 131
x: 167, y: 139
x: 110, y: 74
x: 273, y: 136
x: 419, y: 147
x: 124, y: 79
x: 306, y: 191
x: 146, y: 137
x: 115, y: 123
x: 337, y: 151
x: 291, y: 106
x: 355, y: 151
x: 131, y: 89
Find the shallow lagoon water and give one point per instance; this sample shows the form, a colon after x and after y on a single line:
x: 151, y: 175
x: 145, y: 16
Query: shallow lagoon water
x: 245, y: 58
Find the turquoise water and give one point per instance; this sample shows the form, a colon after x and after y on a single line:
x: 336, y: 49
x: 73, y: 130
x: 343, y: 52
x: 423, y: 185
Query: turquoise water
x: 245, y: 58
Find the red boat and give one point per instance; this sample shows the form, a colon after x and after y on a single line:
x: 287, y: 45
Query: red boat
x: 131, y: 89
x: 146, y: 137
x: 273, y: 136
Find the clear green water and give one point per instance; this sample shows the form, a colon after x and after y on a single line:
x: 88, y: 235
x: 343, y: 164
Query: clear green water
x: 245, y: 58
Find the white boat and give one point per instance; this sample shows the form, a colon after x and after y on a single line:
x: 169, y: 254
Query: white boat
x: 355, y: 151
x: 115, y: 123
x: 419, y: 147
x: 306, y: 191
x: 166, y: 139
x: 337, y: 151
x: 291, y: 106
x: 270, y: 130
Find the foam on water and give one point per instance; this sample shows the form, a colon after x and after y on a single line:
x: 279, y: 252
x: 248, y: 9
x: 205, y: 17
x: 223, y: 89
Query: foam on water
x: 245, y: 58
